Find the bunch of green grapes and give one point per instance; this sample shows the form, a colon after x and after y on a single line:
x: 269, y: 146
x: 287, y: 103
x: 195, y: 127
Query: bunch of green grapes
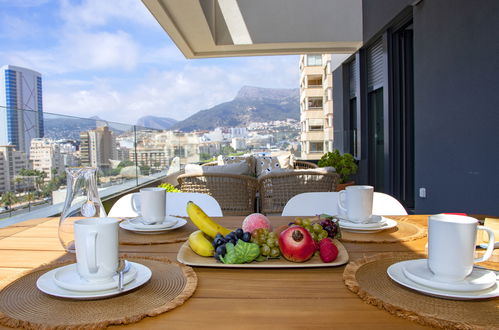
x: 268, y: 242
x: 315, y: 229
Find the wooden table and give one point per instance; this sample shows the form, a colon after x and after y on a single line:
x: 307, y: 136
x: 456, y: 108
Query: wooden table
x: 234, y: 298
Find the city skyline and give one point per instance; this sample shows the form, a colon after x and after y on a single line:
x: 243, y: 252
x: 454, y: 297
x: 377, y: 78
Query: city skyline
x: 112, y: 60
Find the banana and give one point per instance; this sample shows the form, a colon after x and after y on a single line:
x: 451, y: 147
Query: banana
x: 203, y: 222
x: 200, y: 244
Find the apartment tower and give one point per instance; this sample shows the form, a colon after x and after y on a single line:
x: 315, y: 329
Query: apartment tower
x: 11, y: 163
x: 45, y: 156
x: 97, y: 147
x: 316, y: 106
x: 21, y: 112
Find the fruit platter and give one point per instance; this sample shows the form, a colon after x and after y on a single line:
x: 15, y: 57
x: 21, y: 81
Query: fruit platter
x: 303, y: 243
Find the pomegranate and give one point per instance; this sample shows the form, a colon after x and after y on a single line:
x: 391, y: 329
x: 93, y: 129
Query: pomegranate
x: 296, y: 244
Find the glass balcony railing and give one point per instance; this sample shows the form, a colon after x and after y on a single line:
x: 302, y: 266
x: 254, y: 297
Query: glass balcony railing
x: 36, y: 148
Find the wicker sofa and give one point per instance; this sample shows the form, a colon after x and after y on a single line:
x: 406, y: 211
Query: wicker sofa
x: 240, y: 194
x: 235, y: 193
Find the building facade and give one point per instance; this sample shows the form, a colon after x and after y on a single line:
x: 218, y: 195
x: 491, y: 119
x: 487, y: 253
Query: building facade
x: 420, y: 101
x: 316, y: 106
x: 45, y: 155
x: 22, y: 118
x: 97, y: 147
x: 11, y: 163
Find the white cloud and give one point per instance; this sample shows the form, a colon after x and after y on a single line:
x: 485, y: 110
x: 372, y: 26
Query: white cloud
x: 97, y: 63
x: 101, y: 50
x: 92, y: 13
x: 13, y: 28
x: 80, y: 52
x: 175, y: 93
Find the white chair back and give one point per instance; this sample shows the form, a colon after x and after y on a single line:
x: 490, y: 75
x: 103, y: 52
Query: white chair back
x: 176, y: 204
x: 123, y: 208
x: 314, y: 203
x: 384, y: 204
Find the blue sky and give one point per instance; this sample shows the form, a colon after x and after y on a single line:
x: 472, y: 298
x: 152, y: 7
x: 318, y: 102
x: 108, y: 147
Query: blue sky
x: 111, y: 58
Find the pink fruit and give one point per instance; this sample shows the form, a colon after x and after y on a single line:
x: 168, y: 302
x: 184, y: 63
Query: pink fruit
x: 296, y: 244
x: 328, y: 251
x: 255, y: 221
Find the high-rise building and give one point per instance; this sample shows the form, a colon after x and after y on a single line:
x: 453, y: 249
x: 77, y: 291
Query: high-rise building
x: 316, y: 106
x: 45, y: 156
x: 11, y: 163
x: 22, y: 118
x: 97, y: 147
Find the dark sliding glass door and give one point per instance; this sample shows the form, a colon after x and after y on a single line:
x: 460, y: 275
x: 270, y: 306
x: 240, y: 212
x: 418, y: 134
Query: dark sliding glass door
x: 376, y: 139
x: 402, y: 113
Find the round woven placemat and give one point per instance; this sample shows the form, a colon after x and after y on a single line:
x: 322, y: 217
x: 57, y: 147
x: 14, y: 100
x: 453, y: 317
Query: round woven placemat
x: 23, y: 305
x: 367, y: 277
x: 171, y: 236
x: 403, y: 232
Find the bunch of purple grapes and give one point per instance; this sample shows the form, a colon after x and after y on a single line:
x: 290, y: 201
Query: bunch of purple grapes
x: 332, y: 227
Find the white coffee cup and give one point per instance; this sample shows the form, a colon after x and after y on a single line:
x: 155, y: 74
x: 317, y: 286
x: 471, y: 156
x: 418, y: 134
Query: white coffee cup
x: 96, y: 242
x: 150, y: 203
x: 451, y: 246
x: 358, y: 204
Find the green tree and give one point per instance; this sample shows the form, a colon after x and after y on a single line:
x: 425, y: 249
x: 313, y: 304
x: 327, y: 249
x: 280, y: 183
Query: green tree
x: 9, y: 198
x: 125, y: 163
x: 145, y: 170
x: 204, y: 156
x: 17, y: 182
x: 227, y: 150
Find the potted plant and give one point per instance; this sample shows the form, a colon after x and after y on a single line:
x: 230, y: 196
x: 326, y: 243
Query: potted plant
x: 169, y: 187
x: 344, y: 165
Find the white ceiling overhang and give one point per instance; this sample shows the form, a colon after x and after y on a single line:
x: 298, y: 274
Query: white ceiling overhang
x: 219, y: 28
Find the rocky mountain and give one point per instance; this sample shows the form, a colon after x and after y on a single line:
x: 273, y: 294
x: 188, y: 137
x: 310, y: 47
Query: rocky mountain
x: 156, y: 122
x: 252, y: 104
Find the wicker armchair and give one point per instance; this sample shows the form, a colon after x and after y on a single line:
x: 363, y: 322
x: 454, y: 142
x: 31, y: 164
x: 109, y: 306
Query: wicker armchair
x: 236, y: 194
x: 302, y: 164
x: 276, y: 189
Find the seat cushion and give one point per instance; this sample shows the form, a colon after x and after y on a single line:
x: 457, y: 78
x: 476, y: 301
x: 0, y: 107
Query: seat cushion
x: 268, y: 164
x: 226, y: 160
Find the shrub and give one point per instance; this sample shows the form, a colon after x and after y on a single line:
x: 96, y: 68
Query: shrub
x: 344, y: 164
x: 169, y: 187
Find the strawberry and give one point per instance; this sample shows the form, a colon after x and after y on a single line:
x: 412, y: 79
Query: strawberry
x: 328, y: 251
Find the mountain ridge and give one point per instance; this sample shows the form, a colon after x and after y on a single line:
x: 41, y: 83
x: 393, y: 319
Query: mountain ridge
x: 251, y: 104
x: 156, y: 122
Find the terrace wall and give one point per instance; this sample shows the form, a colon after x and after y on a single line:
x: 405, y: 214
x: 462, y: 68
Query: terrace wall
x: 456, y: 103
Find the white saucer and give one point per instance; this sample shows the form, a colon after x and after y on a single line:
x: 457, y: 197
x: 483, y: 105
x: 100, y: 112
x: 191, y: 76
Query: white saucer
x: 396, y: 273
x: 368, y: 228
x: 46, y: 284
x: 67, y: 277
x: 375, y: 221
x: 130, y: 227
x: 418, y: 271
x: 169, y: 221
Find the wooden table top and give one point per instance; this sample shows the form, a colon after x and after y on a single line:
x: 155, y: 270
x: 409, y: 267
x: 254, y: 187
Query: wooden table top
x: 234, y: 298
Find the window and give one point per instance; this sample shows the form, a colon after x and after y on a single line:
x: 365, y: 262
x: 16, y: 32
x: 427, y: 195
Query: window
x: 314, y: 60
x: 316, y: 147
x: 315, y: 124
x: 315, y: 103
x: 314, y: 81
